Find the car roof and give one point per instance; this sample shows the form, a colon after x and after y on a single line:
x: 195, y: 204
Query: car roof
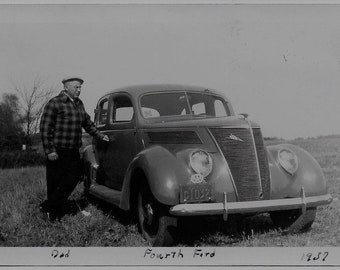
x: 137, y: 90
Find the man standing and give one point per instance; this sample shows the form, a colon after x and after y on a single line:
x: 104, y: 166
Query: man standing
x: 61, y: 126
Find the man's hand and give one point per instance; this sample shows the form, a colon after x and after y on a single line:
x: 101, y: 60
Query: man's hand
x: 106, y: 138
x: 52, y: 156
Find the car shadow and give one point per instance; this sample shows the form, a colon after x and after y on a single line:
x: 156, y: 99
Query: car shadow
x: 123, y: 217
x: 213, y: 231
x: 199, y: 231
x: 74, y: 206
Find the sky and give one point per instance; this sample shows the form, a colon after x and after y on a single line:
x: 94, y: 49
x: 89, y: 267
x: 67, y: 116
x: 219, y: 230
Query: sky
x: 278, y: 63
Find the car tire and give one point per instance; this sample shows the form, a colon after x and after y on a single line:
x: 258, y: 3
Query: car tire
x: 157, y: 227
x: 294, y: 220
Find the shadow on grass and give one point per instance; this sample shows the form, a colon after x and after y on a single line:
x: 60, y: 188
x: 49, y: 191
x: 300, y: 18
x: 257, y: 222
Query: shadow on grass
x: 123, y: 217
x: 200, y: 231
x: 213, y: 231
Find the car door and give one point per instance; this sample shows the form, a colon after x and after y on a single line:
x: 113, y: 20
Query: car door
x: 117, y: 154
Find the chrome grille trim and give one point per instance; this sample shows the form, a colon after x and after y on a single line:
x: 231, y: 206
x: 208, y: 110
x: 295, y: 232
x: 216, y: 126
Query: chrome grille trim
x: 256, y: 157
x: 263, y: 162
x: 223, y: 157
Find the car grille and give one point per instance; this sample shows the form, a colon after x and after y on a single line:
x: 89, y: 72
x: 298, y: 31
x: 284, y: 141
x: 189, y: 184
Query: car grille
x: 241, y: 158
x: 173, y: 137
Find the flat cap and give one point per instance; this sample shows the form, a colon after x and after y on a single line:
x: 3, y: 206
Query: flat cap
x: 72, y: 78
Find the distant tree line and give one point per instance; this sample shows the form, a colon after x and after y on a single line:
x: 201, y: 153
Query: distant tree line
x: 11, y: 123
x: 20, y: 114
x: 32, y: 101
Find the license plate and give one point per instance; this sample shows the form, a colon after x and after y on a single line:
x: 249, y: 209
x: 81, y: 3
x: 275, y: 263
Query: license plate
x: 196, y: 193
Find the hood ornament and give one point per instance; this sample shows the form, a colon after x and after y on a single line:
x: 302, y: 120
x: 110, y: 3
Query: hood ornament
x: 235, y: 138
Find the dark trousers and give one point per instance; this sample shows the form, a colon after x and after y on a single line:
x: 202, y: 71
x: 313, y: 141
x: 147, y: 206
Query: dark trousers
x: 62, y: 177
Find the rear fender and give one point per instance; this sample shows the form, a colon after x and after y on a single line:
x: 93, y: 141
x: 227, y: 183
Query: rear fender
x: 309, y: 174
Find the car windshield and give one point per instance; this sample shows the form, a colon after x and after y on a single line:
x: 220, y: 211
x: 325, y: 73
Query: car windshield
x: 183, y: 104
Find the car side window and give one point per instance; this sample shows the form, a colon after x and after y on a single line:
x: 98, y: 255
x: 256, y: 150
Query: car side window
x: 198, y: 108
x: 149, y: 112
x: 103, y: 111
x: 206, y: 104
x: 220, y: 109
x: 122, y: 109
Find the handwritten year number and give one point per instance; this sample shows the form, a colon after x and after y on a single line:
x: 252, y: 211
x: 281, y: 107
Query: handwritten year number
x: 320, y: 256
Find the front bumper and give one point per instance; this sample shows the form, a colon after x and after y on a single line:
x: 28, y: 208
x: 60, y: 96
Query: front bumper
x: 225, y: 208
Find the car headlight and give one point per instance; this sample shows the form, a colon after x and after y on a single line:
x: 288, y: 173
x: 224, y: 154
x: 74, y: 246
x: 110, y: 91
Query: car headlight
x: 288, y: 160
x: 201, y: 162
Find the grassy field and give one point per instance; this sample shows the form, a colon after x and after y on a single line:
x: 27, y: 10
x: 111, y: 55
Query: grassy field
x: 21, y: 223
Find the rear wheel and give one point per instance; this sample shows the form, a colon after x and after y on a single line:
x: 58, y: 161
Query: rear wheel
x: 294, y: 220
x: 156, y: 225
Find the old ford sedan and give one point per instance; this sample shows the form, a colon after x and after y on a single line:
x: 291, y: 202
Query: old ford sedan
x: 179, y: 150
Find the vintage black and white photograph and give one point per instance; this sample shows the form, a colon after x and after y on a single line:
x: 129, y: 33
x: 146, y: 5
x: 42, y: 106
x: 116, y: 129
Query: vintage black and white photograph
x: 182, y: 126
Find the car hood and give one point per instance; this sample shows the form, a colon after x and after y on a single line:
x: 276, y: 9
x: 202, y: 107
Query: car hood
x: 178, y: 135
x: 197, y: 121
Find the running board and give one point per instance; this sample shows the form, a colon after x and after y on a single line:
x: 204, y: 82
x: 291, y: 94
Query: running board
x: 107, y: 194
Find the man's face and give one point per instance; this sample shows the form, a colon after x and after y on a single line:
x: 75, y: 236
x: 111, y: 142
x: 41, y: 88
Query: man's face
x: 73, y: 88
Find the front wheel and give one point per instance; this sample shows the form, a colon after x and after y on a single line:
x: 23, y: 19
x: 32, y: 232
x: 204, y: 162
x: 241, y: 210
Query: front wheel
x: 294, y: 220
x: 156, y: 226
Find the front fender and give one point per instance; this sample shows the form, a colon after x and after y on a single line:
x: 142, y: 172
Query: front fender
x: 167, y: 170
x: 162, y: 170
x: 309, y: 174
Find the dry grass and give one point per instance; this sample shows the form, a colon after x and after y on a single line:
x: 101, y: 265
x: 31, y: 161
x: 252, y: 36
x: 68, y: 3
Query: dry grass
x: 21, y: 223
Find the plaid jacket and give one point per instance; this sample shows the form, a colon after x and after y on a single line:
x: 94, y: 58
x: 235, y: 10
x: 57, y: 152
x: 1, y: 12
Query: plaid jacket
x: 62, y: 122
